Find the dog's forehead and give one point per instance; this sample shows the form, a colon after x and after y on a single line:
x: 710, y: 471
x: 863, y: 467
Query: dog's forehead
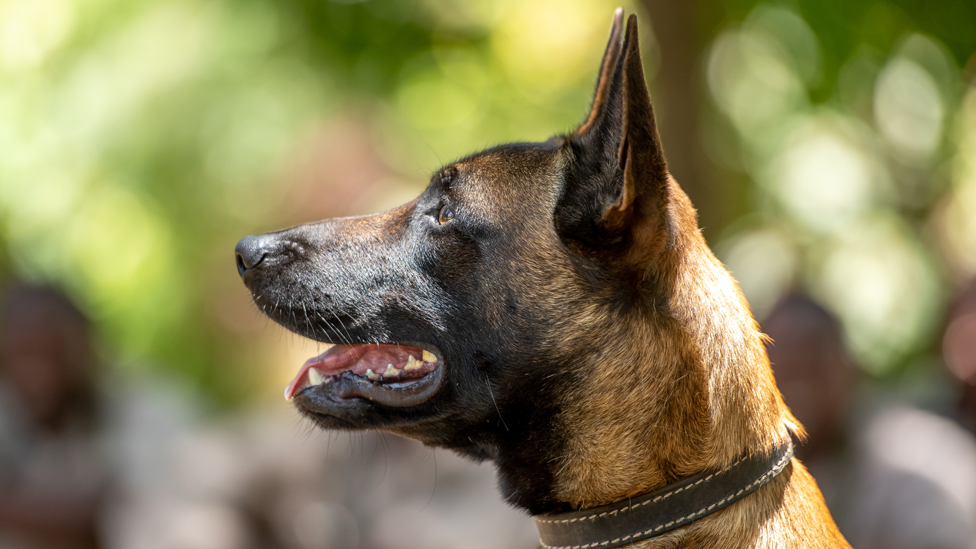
x: 526, y: 176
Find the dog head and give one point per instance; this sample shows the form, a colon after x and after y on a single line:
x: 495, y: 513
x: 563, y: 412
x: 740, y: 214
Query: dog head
x: 550, y: 306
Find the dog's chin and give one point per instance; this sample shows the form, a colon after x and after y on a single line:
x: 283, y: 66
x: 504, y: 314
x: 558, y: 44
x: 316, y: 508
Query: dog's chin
x: 364, y: 386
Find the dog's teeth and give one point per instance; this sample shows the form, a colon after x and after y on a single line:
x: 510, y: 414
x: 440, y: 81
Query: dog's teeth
x: 412, y: 364
x: 391, y: 371
x: 315, y: 377
x: 429, y: 357
x: 371, y: 374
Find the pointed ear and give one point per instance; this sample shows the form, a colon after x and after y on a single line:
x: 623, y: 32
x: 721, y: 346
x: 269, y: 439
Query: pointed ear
x: 617, y: 188
x: 607, y: 67
x: 640, y: 155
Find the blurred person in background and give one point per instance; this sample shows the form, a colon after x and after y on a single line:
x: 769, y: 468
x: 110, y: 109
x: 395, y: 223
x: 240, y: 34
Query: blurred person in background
x: 959, y: 353
x: 89, y: 460
x: 52, y: 474
x: 893, y: 476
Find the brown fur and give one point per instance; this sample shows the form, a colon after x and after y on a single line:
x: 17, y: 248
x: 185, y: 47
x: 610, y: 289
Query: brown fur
x: 726, y: 405
x: 704, y: 370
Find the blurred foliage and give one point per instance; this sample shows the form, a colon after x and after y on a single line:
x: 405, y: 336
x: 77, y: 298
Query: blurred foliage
x: 853, y: 120
x: 140, y: 139
x: 843, y: 27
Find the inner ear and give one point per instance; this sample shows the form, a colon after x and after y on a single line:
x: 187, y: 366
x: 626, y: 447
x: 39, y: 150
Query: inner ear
x: 607, y: 68
x: 616, y: 212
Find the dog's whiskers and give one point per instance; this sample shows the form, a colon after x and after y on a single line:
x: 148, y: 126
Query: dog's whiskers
x: 488, y: 382
x: 326, y: 326
x: 434, y: 487
x: 381, y: 441
x: 341, y: 324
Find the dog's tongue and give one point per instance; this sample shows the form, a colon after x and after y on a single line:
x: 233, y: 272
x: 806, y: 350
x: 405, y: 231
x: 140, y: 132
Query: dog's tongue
x: 357, y: 359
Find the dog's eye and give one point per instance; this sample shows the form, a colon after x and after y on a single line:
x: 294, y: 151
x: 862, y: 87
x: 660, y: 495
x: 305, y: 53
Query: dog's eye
x: 446, y: 214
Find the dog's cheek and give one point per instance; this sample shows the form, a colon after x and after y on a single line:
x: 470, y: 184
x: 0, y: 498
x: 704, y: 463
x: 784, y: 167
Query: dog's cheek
x: 448, y: 258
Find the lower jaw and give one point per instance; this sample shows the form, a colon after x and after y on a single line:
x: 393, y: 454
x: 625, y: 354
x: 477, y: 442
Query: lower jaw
x: 347, y: 396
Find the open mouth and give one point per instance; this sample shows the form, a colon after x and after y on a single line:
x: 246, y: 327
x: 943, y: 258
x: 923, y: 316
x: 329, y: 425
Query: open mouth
x: 393, y: 375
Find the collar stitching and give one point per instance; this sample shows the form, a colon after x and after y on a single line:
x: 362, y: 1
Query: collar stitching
x: 632, y: 507
x: 775, y: 470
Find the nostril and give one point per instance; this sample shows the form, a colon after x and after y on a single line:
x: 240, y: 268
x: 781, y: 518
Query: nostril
x: 240, y: 264
x: 251, y: 251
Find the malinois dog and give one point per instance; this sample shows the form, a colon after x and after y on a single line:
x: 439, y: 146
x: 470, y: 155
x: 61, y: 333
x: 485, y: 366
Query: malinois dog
x: 554, y: 308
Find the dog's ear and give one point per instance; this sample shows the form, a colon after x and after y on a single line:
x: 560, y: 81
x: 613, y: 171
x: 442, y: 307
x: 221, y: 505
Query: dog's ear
x: 617, y: 184
x: 607, y: 69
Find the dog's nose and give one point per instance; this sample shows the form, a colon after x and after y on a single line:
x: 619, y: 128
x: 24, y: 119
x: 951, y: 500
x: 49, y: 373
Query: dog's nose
x: 251, y: 251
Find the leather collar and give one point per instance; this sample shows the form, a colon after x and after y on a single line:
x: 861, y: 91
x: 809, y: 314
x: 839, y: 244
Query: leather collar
x: 658, y: 512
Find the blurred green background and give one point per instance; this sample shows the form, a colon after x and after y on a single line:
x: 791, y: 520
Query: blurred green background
x: 830, y: 146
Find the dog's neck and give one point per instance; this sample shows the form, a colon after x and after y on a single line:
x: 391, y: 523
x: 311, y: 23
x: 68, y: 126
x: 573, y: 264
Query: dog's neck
x: 695, y: 395
x: 660, y: 512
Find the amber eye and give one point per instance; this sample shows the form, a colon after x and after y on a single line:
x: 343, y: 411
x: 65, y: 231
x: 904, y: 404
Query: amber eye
x: 446, y: 214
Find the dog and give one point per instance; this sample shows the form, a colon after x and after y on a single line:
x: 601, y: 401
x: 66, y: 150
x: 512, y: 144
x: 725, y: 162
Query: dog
x: 553, y: 307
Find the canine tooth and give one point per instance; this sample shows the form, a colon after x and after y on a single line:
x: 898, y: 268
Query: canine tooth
x: 371, y: 374
x: 315, y: 377
x: 391, y: 371
x: 429, y: 357
x: 412, y: 363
